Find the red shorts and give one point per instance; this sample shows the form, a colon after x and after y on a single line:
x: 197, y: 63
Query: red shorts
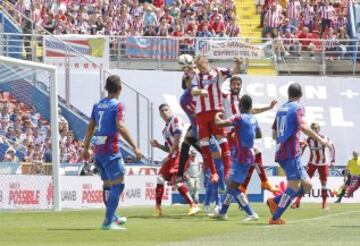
x: 170, y: 167
x: 231, y: 138
x: 323, y: 171
x: 206, y: 124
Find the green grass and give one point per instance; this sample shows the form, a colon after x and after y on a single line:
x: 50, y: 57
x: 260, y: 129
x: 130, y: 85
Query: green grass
x: 307, y: 226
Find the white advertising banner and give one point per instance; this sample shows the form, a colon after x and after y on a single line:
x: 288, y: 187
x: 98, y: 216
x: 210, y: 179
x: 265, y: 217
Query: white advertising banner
x: 95, y: 48
x: 35, y: 192
x: 314, y: 196
x: 227, y: 49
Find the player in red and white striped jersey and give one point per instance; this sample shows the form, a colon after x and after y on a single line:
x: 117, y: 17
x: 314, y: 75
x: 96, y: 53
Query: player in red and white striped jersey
x: 206, y: 89
x: 172, y: 134
x: 318, y: 161
x: 231, y: 108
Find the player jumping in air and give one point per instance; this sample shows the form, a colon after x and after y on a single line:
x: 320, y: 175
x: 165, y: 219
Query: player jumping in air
x: 206, y: 89
x: 172, y: 136
x: 318, y: 162
x: 246, y: 129
x: 107, y: 117
x: 231, y: 107
x: 286, y: 131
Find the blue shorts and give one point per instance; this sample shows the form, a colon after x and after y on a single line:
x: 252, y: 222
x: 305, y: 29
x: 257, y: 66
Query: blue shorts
x: 112, y: 169
x: 239, y: 171
x: 293, y: 169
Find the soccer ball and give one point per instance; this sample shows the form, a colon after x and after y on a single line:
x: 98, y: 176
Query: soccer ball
x: 185, y: 61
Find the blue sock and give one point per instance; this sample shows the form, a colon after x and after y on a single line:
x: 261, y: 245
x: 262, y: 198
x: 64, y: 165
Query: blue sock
x: 277, y: 198
x: 215, y: 194
x: 113, y: 202
x: 208, y: 193
x: 284, y: 202
x: 242, y: 201
x: 220, y: 171
x: 106, y: 192
x: 226, y: 204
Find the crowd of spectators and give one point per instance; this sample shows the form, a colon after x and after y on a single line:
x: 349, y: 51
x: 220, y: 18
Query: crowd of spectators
x: 28, y: 134
x: 179, y: 18
x: 298, y: 26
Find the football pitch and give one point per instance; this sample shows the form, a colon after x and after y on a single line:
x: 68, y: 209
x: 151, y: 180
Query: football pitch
x: 308, y: 225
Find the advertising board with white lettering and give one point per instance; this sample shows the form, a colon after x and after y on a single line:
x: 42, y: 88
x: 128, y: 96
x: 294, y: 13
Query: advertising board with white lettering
x: 36, y: 192
x: 314, y: 196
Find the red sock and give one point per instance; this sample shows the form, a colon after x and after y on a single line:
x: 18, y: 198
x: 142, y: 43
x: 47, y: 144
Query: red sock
x: 248, y: 177
x: 298, y: 200
x: 185, y: 193
x: 225, y: 152
x: 208, y: 160
x: 260, y: 168
x: 159, y: 192
x: 324, y: 197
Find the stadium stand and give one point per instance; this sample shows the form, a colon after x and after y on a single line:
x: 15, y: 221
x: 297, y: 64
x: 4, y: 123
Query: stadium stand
x: 177, y: 18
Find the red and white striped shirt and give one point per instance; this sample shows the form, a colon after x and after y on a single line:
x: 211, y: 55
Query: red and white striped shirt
x: 317, y: 152
x: 172, y: 128
x: 293, y: 9
x: 231, y: 105
x: 309, y: 14
x: 331, y: 41
x: 272, y: 18
x: 327, y: 12
x: 211, y: 82
x: 341, y: 22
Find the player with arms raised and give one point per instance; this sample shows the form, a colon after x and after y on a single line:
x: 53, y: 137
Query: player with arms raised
x: 288, y: 124
x: 231, y: 107
x: 107, y: 116
x: 206, y: 89
x: 172, y: 135
x: 318, y: 161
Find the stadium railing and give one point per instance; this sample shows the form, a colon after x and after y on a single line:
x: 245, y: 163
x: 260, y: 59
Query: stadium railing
x: 31, y: 47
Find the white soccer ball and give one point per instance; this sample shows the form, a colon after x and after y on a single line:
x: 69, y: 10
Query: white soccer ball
x: 185, y: 61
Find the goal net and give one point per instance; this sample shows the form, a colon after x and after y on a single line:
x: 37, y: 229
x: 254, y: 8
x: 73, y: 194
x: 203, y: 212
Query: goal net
x: 29, y: 147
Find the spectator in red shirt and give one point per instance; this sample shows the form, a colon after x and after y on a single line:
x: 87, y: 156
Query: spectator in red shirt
x: 215, y: 13
x: 217, y: 26
x: 177, y: 32
x: 305, y: 43
x: 158, y: 3
x: 168, y: 17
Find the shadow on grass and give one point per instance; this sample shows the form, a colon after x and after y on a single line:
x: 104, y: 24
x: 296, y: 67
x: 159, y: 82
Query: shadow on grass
x: 71, y: 229
x: 165, y: 216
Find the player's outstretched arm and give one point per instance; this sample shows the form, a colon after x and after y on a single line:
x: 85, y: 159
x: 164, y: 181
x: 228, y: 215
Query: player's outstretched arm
x: 263, y: 109
x: 127, y: 137
x: 89, y: 134
x: 154, y: 143
x: 310, y: 133
x: 331, y: 148
x: 222, y: 123
x: 238, y: 64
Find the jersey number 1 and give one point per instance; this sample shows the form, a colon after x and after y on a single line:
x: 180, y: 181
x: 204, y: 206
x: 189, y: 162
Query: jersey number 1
x: 101, y: 114
x: 280, y: 128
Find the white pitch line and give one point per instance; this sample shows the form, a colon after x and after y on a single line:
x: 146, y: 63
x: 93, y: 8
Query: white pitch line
x: 317, y: 218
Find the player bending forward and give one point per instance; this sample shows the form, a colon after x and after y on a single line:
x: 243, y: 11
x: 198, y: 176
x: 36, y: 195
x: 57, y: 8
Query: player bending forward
x: 168, y: 172
x: 246, y: 129
x: 286, y: 131
x: 318, y: 162
x: 107, y: 117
